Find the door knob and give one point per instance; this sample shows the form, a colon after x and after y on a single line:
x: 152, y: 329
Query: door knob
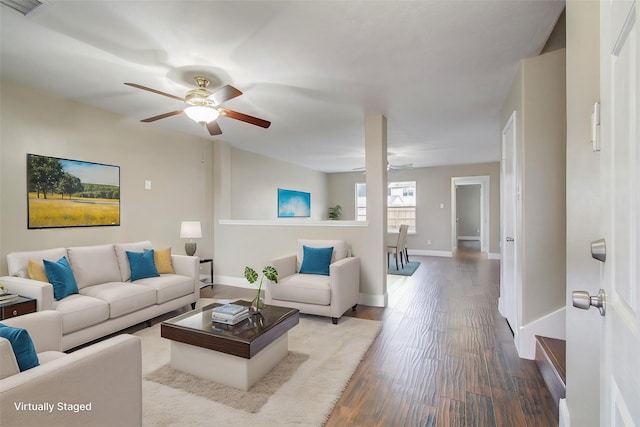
x: 584, y: 301
x: 510, y: 239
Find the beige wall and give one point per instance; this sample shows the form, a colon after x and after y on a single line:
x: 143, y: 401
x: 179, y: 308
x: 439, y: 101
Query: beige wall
x: 583, y: 209
x: 255, y: 180
x: 538, y: 95
x: 253, y: 240
x: 243, y: 241
x: 433, y: 186
x: 177, y: 166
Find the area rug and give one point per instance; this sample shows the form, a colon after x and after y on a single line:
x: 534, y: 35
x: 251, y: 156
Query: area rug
x: 408, y: 269
x: 300, y: 391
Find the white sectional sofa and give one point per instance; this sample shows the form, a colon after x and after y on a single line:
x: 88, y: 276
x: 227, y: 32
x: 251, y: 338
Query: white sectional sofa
x: 107, y: 300
x: 98, y: 385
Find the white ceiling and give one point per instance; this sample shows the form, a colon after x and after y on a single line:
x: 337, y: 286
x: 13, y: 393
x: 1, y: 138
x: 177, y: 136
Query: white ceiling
x: 438, y: 70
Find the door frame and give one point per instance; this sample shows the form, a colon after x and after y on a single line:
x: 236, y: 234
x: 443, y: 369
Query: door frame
x: 510, y: 302
x: 485, y: 209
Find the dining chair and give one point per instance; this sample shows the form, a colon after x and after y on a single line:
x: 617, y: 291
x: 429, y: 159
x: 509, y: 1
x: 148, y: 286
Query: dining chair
x: 398, y: 248
x: 403, y: 248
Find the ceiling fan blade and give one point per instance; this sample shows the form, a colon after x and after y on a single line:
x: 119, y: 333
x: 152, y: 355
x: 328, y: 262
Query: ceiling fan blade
x: 154, y: 91
x: 214, y: 128
x: 162, y: 116
x: 225, y: 93
x: 245, y: 118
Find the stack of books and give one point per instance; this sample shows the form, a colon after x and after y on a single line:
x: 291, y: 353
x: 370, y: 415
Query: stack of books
x: 4, y: 298
x: 229, y: 314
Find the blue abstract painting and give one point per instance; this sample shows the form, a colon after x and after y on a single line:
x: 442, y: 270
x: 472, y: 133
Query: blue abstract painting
x: 293, y: 203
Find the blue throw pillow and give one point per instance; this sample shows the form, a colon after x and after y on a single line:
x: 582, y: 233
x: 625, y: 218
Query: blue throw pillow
x: 22, y: 346
x: 142, y: 265
x: 316, y: 260
x: 61, y: 277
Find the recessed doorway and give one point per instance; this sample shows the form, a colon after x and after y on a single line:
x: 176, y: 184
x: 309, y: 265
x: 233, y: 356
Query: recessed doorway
x: 470, y: 213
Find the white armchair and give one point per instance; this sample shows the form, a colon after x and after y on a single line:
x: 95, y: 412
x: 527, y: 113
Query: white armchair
x: 317, y: 294
x: 97, y: 385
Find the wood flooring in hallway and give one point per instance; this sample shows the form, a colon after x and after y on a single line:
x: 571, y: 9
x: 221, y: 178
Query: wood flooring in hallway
x: 445, y: 356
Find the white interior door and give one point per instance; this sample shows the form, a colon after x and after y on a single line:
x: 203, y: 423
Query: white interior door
x: 508, y: 303
x: 620, y: 97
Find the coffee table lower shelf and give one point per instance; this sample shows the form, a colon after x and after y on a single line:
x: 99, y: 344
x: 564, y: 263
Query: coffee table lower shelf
x: 227, y: 369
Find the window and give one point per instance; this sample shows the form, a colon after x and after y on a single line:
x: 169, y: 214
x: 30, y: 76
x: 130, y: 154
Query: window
x: 401, y: 204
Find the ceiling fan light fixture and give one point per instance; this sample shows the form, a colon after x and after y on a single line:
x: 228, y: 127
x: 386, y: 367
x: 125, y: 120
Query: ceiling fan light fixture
x: 201, y: 114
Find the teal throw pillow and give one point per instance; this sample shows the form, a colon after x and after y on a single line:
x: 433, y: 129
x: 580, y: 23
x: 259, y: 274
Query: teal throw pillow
x: 22, y: 346
x: 61, y: 277
x: 142, y: 265
x: 316, y: 260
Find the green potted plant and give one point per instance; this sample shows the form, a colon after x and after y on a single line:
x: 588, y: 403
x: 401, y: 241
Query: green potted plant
x: 335, y: 212
x: 270, y: 273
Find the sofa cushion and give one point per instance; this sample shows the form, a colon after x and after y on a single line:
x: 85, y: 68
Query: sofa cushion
x: 36, y: 271
x: 50, y: 356
x: 93, y: 265
x: 8, y: 363
x: 80, y: 311
x: 123, y: 298
x: 61, y: 277
x: 22, y: 345
x: 316, y: 260
x: 340, y: 249
x: 164, y: 264
x: 142, y: 264
x: 17, y: 262
x: 121, y: 255
x: 168, y: 286
x: 305, y: 288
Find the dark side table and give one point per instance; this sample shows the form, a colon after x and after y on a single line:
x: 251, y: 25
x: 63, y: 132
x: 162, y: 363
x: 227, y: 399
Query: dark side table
x: 210, y: 261
x: 22, y: 305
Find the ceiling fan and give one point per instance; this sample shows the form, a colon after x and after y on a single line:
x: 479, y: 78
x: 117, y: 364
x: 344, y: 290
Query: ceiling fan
x: 390, y: 167
x: 204, y: 107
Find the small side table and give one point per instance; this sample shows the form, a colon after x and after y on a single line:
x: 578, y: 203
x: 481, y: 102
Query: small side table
x: 22, y: 305
x: 210, y: 261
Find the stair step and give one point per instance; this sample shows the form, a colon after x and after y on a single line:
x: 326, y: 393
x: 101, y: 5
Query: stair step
x: 551, y: 358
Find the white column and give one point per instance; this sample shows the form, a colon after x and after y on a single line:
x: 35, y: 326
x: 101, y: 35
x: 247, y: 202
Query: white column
x: 375, y: 280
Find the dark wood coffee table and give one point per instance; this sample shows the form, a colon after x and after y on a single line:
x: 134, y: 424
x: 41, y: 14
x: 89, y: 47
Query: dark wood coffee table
x: 237, y: 355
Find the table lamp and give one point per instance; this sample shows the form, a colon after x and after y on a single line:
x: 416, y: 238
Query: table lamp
x: 190, y: 230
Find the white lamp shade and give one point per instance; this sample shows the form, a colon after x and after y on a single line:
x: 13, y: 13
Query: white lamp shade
x: 190, y: 230
x: 201, y: 114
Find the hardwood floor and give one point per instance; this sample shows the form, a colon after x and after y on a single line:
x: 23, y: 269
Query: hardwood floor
x: 444, y: 357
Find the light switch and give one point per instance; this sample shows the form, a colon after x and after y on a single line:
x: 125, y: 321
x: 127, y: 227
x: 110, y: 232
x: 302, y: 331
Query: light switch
x: 441, y: 205
x: 147, y: 184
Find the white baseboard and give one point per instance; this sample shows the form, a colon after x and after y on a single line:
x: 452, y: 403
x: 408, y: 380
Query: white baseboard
x: 238, y: 282
x: 469, y: 238
x: 447, y: 254
x: 564, y: 420
x: 373, y: 300
x: 501, y: 309
x: 552, y: 325
x: 425, y: 252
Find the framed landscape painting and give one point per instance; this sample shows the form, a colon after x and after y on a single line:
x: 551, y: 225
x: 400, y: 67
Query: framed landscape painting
x: 71, y: 193
x: 293, y: 203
